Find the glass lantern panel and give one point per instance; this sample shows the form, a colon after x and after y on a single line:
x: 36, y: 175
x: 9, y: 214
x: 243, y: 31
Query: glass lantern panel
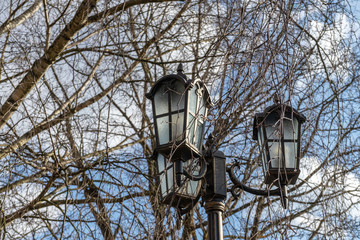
x: 202, y: 111
x: 177, y: 96
x: 194, y: 185
x: 275, y: 154
x: 290, y: 128
x: 170, y: 178
x: 290, y: 154
x: 177, y: 126
x: 189, y: 187
x: 192, y: 100
x: 272, y: 126
x: 160, y: 163
x: 183, y: 188
x: 161, y: 101
x: 198, y: 137
x: 162, y: 176
x: 262, y: 150
x: 191, y: 126
x: 201, y: 103
x: 163, y: 129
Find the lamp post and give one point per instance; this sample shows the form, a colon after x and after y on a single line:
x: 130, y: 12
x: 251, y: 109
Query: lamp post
x: 180, y: 109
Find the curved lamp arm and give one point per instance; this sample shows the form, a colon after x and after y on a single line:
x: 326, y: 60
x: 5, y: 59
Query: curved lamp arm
x: 239, y: 185
x: 180, y: 170
x: 198, y: 177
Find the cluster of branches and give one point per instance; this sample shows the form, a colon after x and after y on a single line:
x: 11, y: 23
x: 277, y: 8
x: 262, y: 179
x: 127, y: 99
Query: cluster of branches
x: 76, y: 134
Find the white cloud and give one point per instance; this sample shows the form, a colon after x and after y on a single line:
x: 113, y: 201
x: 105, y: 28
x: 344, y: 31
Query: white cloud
x: 339, y: 190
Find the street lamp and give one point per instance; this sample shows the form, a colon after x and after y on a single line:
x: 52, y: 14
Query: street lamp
x: 180, y: 108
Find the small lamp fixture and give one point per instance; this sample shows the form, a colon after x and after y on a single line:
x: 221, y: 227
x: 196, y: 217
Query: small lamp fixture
x: 278, y: 131
x: 171, y: 193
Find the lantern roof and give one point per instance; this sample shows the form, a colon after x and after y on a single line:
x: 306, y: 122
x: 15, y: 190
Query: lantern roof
x: 164, y: 79
x: 278, y: 107
x: 180, y: 76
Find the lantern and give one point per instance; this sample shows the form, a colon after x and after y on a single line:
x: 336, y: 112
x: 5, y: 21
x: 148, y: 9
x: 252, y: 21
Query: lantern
x: 177, y: 195
x: 278, y: 131
x: 179, y: 109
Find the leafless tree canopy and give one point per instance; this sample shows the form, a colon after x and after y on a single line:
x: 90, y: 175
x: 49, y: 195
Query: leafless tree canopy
x: 76, y: 131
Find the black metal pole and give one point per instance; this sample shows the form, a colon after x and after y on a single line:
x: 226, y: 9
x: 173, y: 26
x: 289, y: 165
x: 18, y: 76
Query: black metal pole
x: 215, y: 194
x: 215, y: 210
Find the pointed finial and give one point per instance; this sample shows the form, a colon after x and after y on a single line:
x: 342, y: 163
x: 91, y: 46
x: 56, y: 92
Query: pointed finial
x: 277, y: 99
x: 180, y: 71
x: 180, y: 68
